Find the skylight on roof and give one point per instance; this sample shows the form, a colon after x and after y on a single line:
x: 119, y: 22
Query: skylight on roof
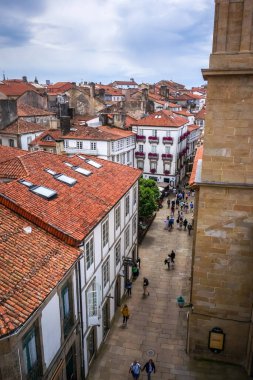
x: 66, y: 179
x: 81, y: 170
x: 44, y: 192
x: 68, y: 164
x: 26, y: 183
x: 49, y: 171
x: 91, y: 162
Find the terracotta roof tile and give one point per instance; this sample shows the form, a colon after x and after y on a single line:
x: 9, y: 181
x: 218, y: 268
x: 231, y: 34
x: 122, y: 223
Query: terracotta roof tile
x: 192, y: 127
x: 15, y: 87
x: 163, y: 118
x: 7, y: 153
x: 201, y: 114
x: 31, y: 265
x: 26, y: 110
x: 71, y: 215
x: 198, y: 156
x: 21, y: 126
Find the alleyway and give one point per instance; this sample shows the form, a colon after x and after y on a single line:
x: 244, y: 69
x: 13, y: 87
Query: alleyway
x: 157, y: 328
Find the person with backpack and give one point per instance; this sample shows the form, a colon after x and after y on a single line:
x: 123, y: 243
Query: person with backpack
x: 135, y: 369
x: 129, y: 287
x: 145, y: 286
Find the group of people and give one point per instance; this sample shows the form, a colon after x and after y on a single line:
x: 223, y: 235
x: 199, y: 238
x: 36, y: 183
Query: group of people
x: 170, y: 260
x: 136, y: 368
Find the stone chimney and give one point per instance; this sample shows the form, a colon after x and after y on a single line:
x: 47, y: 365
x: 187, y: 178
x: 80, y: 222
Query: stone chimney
x: 8, y: 112
x: 65, y: 124
x: 92, y: 90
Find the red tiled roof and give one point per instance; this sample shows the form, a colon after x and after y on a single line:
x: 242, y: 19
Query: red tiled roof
x: 31, y: 266
x: 117, y: 132
x: 163, y: 118
x: 129, y: 121
x: 20, y: 126
x: 59, y: 87
x: 110, y: 90
x: 184, y: 112
x: 26, y: 110
x: 76, y: 210
x: 201, y: 114
x: 192, y: 127
x: 15, y: 87
x: 7, y: 153
x: 40, y: 140
x: 198, y: 156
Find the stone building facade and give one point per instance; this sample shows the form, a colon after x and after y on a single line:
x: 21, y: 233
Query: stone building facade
x: 222, y: 287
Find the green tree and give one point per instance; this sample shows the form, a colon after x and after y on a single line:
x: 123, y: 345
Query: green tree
x: 149, y: 194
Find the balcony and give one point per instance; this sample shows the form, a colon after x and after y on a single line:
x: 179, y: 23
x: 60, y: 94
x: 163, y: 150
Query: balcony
x: 153, y: 139
x: 141, y: 138
x: 140, y: 155
x: 166, y: 172
x: 168, y: 140
x: 167, y: 157
x: 153, y: 156
x: 153, y: 171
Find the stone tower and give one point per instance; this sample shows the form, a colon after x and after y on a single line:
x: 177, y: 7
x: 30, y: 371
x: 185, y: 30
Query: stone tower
x: 222, y: 273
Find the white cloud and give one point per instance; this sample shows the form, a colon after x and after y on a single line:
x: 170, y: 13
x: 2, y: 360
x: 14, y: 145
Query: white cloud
x: 103, y: 40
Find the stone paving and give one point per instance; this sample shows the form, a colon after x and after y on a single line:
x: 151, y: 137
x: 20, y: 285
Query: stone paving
x: 157, y: 328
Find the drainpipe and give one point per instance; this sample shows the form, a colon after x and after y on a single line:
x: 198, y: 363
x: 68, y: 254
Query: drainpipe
x: 80, y: 312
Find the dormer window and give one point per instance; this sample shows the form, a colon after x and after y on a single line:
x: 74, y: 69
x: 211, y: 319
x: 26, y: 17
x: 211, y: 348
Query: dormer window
x: 26, y: 183
x: 91, y: 162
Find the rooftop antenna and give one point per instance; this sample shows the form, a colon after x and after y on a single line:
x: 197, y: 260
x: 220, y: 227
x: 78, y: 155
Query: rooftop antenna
x: 3, y: 75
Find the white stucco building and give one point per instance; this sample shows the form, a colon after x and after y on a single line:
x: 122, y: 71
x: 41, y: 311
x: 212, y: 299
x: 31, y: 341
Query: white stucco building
x: 161, y: 146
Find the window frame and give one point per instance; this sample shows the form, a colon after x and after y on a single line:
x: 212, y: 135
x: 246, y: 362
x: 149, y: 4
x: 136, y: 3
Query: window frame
x: 127, y: 237
x: 105, y: 233
x: 117, y: 251
x: 89, y: 256
x: 106, y: 273
x: 117, y: 217
x: 127, y: 205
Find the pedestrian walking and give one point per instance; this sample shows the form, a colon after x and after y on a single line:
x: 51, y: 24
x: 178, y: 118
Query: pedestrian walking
x: 149, y: 367
x: 172, y: 256
x: 171, y: 222
x: 172, y: 210
x: 189, y: 228
x: 138, y: 261
x: 125, y: 313
x: 191, y: 206
x: 167, y: 261
x: 180, y: 223
x: 145, y: 286
x: 185, y: 224
x: 135, y: 369
x: 168, y: 203
x: 129, y: 287
x: 135, y: 270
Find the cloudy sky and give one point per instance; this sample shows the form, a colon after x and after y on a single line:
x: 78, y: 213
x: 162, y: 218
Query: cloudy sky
x: 106, y: 40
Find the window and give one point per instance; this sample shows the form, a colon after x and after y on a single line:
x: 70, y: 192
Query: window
x: 93, y: 146
x: 134, y: 195
x: 153, y: 148
x: 106, y: 273
x: 105, y: 233
x: 117, y: 218
x: 118, y: 252
x: 89, y: 253
x: 154, y: 132
x: 153, y: 165
x: 92, y: 303
x: 167, y: 149
x: 67, y: 313
x: 168, y: 133
x: 66, y: 144
x: 29, y: 139
x: 11, y: 143
x: 140, y: 132
x: 128, y: 156
x: 140, y: 148
x: 134, y: 224
x: 30, y: 355
x: 79, y: 145
x: 127, y: 205
x: 127, y: 236
x: 1, y: 143
x: 140, y: 164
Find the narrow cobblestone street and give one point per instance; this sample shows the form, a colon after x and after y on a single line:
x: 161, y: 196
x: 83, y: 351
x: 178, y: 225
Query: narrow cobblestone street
x: 157, y: 328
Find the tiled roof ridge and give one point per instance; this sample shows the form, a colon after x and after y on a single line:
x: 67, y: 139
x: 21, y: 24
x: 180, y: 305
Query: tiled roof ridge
x: 55, y: 231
